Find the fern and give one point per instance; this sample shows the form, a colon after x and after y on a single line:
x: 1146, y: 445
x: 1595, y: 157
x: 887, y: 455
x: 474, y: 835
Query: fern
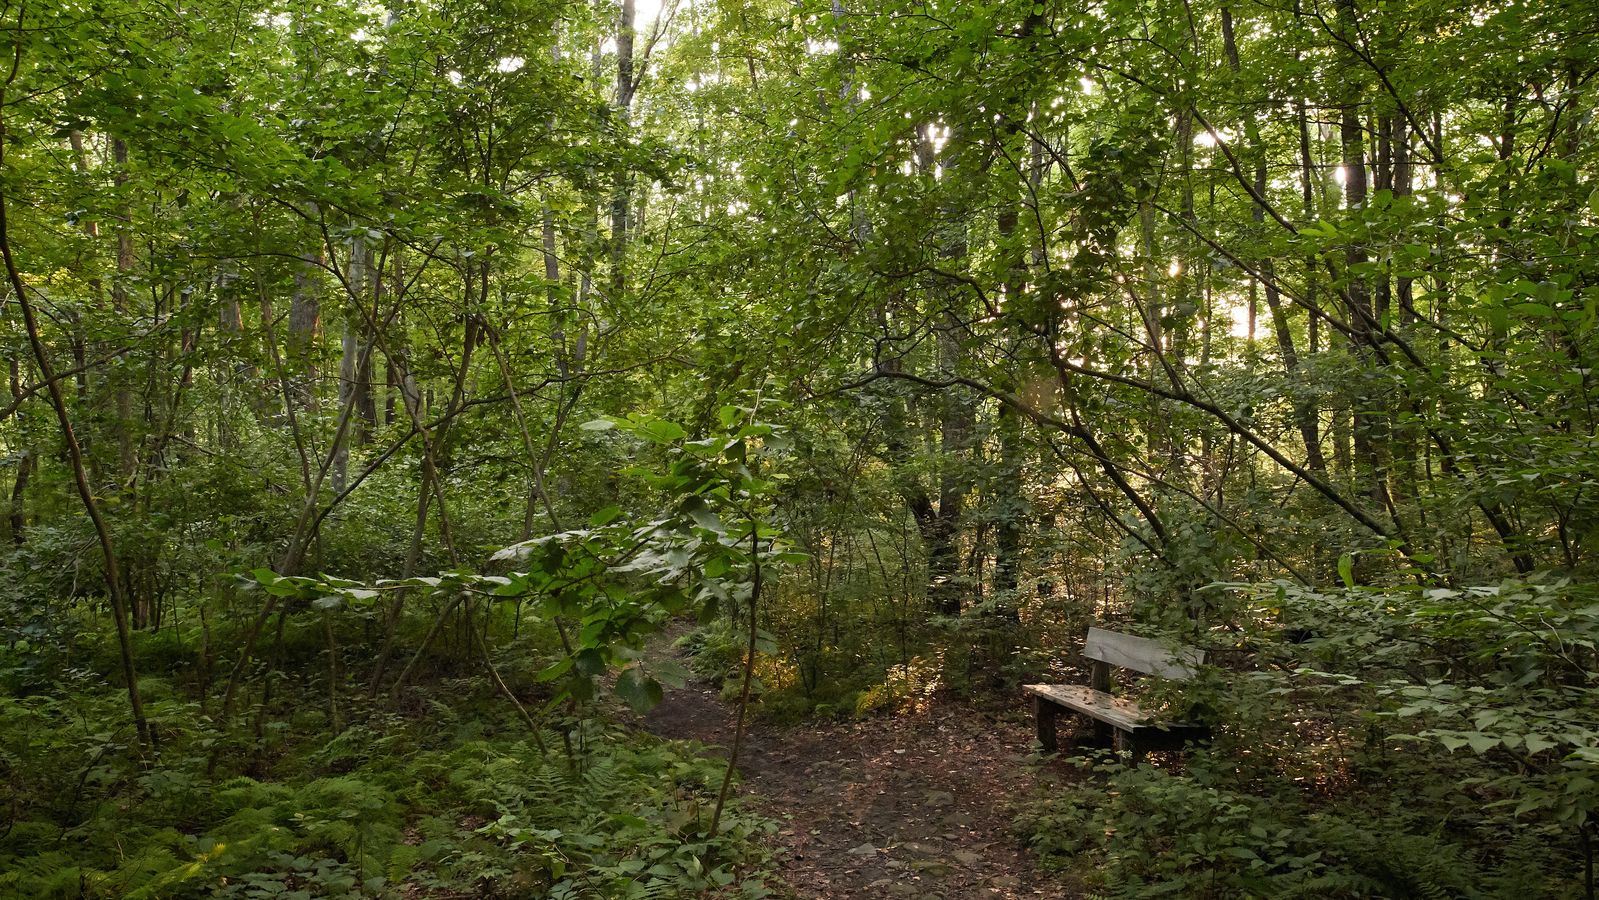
x: 372, y: 809
x: 45, y: 876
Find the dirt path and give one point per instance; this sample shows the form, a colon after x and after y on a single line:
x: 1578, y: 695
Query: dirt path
x: 918, y: 806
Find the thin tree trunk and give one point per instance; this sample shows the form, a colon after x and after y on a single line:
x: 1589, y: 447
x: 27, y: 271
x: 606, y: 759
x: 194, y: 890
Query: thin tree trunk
x: 1366, y: 427
x: 305, y: 330
x: 17, y: 515
x: 1305, y: 415
x: 622, y: 189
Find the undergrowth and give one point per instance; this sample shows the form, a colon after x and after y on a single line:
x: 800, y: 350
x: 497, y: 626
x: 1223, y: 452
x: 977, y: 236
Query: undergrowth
x: 454, y: 798
x: 1146, y: 832
x: 949, y: 659
x: 1427, y: 742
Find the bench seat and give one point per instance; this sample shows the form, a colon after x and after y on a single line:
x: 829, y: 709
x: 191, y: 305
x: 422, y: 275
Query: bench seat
x: 1120, y: 712
x: 1118, y: 718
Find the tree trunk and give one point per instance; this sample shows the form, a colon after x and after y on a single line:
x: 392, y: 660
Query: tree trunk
x: 1366, y: 420
x: 622, y: 117
x: 1305, y: 415
x: 16, y: 517
x: 305, y: 331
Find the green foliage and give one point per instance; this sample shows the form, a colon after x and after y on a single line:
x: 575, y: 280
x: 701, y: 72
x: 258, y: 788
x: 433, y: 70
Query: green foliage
x: 715, y: 651
x: 1498, y: 673
x: 450, y: 800
x: 493, y: 814
x: 475, y: 341
x: 1148, y: 833
x: 1417, y: 741
x: 620, y: 579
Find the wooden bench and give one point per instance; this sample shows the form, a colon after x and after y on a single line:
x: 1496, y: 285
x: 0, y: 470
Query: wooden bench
x: 1118, y: 718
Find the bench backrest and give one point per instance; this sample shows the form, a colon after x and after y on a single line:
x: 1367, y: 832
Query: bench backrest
x: 1142, y: 654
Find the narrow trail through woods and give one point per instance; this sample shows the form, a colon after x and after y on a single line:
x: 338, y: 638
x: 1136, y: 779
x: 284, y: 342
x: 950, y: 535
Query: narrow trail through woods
x: 918, y: 806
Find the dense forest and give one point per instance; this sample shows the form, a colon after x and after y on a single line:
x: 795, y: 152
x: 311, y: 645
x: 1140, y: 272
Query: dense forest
x: 411, y: 407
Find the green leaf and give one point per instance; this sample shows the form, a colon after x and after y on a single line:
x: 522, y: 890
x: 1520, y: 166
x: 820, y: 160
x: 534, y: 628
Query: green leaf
x: 660, y: 431
x: 670, y: 672
x: 1481, y: 743
x: 513, y: 587
x: 697, y: 509
x: 639, y: 690
x: 1536, y: 744
x: 283, y: 587
x: 552, y: 672
x: 1346, y: 570
x: 598, y: 425
x: 590, y: 661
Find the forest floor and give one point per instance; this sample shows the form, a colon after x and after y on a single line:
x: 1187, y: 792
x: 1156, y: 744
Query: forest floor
x: 918, y: 806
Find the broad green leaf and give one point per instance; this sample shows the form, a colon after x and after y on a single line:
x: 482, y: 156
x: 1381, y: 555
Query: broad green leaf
x: 639, y: 690
x: 1346, y: 570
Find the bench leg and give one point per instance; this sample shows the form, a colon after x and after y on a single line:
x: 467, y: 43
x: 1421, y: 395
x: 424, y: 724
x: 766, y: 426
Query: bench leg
x: 1105, y: 734
x: 1045, y: 713
x: 1135, y: 752
x: 1099, y: 680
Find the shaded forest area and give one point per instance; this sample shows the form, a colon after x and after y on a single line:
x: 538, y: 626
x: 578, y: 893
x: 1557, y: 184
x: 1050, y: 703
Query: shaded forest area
x: 391, y: 385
